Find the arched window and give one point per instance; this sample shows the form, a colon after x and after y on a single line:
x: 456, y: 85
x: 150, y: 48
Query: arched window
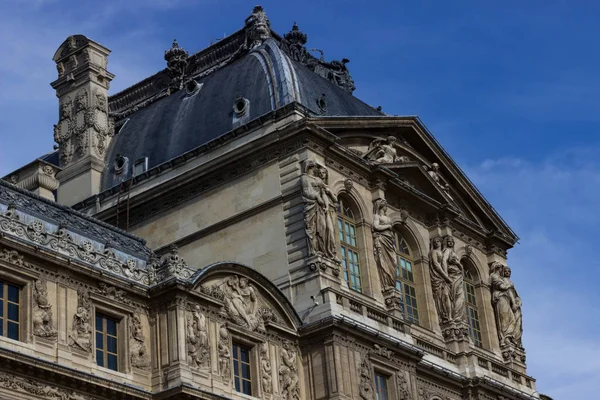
x: 349, y: 245
x: 405, y: 279
x: 472, y: 313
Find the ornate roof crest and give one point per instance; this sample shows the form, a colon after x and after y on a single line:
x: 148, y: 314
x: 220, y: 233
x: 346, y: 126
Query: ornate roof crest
x: 177, y: 62
x: 258, y: 27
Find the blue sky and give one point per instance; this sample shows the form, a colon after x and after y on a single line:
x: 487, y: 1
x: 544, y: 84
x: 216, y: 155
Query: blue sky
x: 510, y: 89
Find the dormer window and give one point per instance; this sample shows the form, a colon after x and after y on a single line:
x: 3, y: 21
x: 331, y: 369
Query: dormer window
x: 140, y: 166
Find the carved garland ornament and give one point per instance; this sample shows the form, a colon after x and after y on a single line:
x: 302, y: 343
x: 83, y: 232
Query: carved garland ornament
x: 288, y: 373
x: 33, y: 387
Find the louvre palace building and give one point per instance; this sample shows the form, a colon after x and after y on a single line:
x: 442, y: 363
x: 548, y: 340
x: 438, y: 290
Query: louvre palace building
x: 239, y: 225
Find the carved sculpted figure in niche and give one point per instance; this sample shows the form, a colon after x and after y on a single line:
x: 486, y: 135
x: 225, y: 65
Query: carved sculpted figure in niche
x: 288, y: 373
x: 454, y: 269
x: 384, y: 246
x: 137, y: 347
x: 507, y: 306
x: 266, y: 369
x: 197, y: 340
x: 365, y: 385
x: 42, y: 311
x: 319, y: 210
x: 224, y: 354
x: 440, y: 281
x: 81, y: 332
x: 384, y: 151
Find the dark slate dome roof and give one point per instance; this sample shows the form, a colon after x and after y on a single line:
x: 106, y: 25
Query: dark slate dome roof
x: 264, y: 79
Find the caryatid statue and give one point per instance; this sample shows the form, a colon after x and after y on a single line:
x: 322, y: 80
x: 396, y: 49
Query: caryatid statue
x: 507, y: 305
x: 384, y: 245
x: 319, y: 210
x: 447, y: 281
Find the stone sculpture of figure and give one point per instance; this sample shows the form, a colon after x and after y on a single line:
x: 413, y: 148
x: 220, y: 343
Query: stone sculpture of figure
x: 384, y: 245
x: 224, y: 354
x: 42, y: 311
x: 197, y: 339
x: 440, y: 281
x: 318, y: 212
x: 81, y: 333
x: 507, y: 306
x: 241, y: 302
x: 265, y: 369
x: 451, y: 264
x: 434, y: 173
x: 137, y: 347
x: 288, y: 374
x: 383, y: 151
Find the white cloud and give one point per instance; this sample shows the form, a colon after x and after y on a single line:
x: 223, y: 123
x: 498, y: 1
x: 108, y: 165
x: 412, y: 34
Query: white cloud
x: 552, y: 205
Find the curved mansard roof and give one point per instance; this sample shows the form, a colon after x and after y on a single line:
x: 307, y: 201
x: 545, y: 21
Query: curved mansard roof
x: 181, y: 108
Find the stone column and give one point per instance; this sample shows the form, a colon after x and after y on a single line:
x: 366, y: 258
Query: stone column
x: 84, y: 130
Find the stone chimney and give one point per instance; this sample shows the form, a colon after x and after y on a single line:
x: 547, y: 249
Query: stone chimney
x: 84, y: 130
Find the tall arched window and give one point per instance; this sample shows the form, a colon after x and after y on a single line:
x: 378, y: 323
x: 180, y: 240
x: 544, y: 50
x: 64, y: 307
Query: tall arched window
x: 472, y: 313
x: 405, y: 279
x: 349, y: 245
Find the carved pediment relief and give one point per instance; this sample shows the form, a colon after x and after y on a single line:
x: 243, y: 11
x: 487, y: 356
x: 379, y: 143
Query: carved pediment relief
x: 248, y: 299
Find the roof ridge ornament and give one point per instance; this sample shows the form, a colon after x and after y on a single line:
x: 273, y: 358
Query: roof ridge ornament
x: 258, y: 27
x: 177, y: 62
x: 335, y: 71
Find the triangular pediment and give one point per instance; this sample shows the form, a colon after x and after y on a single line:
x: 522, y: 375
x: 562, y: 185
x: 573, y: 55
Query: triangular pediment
x: 404, y: 148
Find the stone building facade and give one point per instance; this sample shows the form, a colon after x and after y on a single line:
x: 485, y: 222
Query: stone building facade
x: 240, y: 226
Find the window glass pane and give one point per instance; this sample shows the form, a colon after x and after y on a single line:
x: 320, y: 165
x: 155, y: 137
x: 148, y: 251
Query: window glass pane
x: 99, y: 340
x: 112, y: 362
x: 244, y: 354
x: 247, y: 388
x: 13, y: 331
x: 13, y: 312
x: 237, y: 385
x: 236, y: 366
x: 1, y: 289
x: 100, y: 358
x: 111, y: 344
x: 1, y: 308
x: 99, y: 323
x: 245, y: 370
x: 13, y: 293
x: 111, y: 326
x: 1, y: 327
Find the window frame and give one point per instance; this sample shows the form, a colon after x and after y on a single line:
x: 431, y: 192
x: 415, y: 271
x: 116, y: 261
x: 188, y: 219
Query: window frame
x: 407, y: 257
x: 4, y: 298
x: 345, y: 247
x: 469, y: 281
x: 105, y: 336
x: 385, y: 379
x: 123, y: 321
x: 250, y: 349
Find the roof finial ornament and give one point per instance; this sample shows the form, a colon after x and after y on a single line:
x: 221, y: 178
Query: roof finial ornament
x: 258, y: 27
x: 177, y: 62
x: 296, y: 36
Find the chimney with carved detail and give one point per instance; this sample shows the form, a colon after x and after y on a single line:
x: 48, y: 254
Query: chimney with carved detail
x: 84, y: 128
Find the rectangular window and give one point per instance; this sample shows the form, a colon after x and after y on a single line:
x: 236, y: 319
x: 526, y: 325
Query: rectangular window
x: 381, y: 391
x: 107, y: 342
x: 473, y: 315
x: 241, y: 369
x: 9, y: 310
x: 349, y: 251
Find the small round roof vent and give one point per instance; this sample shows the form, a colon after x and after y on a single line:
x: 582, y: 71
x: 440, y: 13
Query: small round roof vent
x: 240, y: 106
x: 322, y: 104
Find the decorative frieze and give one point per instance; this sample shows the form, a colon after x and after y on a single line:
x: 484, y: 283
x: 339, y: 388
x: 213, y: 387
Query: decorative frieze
x: 29, y: 386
